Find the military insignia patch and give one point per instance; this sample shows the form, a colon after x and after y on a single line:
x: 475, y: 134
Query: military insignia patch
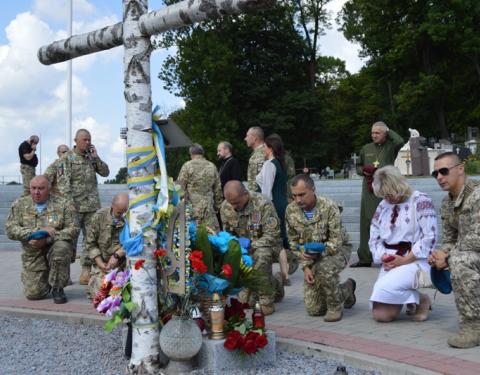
x: 272, y: 222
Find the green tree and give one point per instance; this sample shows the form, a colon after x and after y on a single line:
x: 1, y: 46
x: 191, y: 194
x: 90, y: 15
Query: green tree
x: 120, y: 178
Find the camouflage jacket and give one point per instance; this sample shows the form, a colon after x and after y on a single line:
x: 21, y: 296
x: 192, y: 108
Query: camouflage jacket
x: 255, y: 164
x: 103, y: 234
x: 258, y: 221
x: 324, y: 227
x: 51, y: 174
x: 24, y: 219
x: 461, y: 219
x: 77, y: 180
x: 200, y: 179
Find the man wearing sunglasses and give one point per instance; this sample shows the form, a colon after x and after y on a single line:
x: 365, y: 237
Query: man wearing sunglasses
x: 460, y: 249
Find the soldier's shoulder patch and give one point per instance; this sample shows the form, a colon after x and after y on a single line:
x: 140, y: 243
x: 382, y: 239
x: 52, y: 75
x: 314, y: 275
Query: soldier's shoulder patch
x: 272, y: 222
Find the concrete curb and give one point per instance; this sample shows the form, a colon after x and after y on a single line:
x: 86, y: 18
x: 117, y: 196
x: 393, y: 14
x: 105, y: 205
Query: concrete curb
x: 359, y: 360
x: 363, y: 361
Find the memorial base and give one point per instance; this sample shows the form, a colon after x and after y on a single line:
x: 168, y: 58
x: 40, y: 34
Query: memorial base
x: 215, y: 358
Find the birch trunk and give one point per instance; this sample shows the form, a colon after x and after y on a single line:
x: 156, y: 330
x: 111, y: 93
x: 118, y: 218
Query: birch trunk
x: 146, y: 348
x: 168, y: 18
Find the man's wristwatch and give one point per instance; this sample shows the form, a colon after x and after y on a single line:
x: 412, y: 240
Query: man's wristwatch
x: 116, y: 256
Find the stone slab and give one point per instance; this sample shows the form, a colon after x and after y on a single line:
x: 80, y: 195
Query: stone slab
x: 215, y: 358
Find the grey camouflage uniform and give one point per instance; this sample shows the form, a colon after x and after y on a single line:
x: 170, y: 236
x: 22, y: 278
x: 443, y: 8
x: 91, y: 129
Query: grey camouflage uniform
x: 259, y: 222
x: 199, y: 177
x: 48, y: 267
x: 461, y: 236
x: 102, y: 239
x: 255, y: 164
x: 326, y: 293
x: 77, y: 184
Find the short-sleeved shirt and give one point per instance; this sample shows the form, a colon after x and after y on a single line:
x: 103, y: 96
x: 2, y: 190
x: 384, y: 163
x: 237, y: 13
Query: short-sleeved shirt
x: 26, y: 148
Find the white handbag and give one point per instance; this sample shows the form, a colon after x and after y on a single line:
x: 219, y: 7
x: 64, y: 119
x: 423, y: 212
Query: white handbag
x: 422, y: 278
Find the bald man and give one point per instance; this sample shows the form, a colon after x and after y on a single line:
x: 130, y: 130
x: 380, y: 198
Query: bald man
x: 77, y: 184
x: 251, y: 215
x: 46, y: 229
x: 103, y: 243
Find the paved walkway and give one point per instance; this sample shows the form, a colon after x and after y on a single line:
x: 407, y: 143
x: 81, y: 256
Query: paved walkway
x: 419, y: 344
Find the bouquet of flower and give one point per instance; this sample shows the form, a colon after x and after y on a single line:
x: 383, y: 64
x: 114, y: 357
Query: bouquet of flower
x: 241, y: 335
x: 114, y: 298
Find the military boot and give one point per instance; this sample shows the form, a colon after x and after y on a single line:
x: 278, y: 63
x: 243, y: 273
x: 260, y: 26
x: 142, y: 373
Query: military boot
x: 351, y: 299
x: 333, y: 315
x: 467, y: 337
x: 85, y: 275
x: 59, y: 295
x: 267, y: 309
x: 279, y: 287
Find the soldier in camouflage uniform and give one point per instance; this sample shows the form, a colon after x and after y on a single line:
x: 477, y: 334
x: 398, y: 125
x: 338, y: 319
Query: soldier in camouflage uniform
x: 251, y: 215
x: 316, y: 220
x: 460, y: 250
x: 77, y: 184
x: 254, y: 139
x: 103, y: 243
x: 52, y: 170
x: 201, y: 182
x: 46, y: 260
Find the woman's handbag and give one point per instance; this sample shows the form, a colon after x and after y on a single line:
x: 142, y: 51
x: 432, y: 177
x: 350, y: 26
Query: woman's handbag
x: 422, y: 279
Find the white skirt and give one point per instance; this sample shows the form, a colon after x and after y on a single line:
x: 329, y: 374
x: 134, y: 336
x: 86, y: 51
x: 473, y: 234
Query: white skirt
x: 395, y: 286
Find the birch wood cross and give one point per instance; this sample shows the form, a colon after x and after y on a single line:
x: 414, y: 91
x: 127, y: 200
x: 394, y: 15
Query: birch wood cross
x: 134, y: 34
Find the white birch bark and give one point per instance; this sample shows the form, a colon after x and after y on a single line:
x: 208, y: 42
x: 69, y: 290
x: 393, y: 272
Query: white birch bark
x: 145, y: 329
x: 168, y: 18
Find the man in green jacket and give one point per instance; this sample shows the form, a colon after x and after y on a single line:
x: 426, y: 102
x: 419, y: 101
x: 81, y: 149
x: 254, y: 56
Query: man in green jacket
x: 377, y: 154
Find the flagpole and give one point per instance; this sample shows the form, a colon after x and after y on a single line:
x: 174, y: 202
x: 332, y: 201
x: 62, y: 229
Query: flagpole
x: 68, y: 132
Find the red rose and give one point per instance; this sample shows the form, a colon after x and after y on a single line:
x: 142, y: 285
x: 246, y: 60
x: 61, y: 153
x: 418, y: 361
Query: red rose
x: 261, y: 341
x: 251, y: 335
x: 227, y: 270
x: 234, y: 334
x: 100, y: 296
x: 230, y: 344
x: 195, y: 255
x: 249, y: 347
x: 139, y: 264
x: 160, y: 253
x: 199, y: 266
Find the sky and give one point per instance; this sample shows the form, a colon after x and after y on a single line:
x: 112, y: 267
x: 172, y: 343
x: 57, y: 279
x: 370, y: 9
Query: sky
x: 33, y: 96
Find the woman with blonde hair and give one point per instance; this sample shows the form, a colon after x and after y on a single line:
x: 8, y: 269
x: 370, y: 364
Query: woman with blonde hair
x: 402, y: 236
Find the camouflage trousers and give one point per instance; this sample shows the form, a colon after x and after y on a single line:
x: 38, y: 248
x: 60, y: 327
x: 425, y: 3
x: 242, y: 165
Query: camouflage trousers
x: 326, y: 293
x: 43, y: 269
x: 465, y: 273
x: 83, y: 219
x: 262, y: 261
x: 28, y: 173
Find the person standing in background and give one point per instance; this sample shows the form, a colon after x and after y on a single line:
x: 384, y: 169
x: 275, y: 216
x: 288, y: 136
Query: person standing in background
x: 28, y: 161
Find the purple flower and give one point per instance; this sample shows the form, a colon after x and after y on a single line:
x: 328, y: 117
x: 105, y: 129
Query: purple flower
x: 111, y: 275
x: 110, y: 304
x: 121, y: 279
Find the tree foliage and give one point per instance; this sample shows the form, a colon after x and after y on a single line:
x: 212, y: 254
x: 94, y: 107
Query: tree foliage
x: 422, y: 71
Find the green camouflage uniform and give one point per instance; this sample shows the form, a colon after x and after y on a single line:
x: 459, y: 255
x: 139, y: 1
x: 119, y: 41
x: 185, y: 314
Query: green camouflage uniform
x: 28, y: 173
x: 326, y: 293
x: 290, y: 167
x: 48, y: 267
x: 51, y: 173
x: 77, y: 184
x: 461, y: 237
x: 199, y: 177
x: 255, y: 164
x: 259, y: 222
x: 102, y: 240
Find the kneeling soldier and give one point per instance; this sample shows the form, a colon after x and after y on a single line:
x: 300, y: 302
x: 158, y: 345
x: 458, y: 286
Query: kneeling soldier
x: 46, y: 228
x: 315, y: 232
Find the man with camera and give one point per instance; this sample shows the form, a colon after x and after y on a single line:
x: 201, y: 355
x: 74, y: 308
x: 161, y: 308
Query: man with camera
x: 28, y: 161
x: 77, y: 184
x: 315, y: 233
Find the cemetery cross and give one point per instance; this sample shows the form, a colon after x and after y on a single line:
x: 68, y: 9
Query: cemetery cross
x: 134, y: 34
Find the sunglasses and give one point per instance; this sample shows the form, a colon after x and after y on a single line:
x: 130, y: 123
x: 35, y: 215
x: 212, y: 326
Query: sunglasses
x: 443, y: 171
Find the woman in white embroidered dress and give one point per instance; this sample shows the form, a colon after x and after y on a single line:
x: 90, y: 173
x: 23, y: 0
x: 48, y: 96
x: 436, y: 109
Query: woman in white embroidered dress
x: 402, y: 235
